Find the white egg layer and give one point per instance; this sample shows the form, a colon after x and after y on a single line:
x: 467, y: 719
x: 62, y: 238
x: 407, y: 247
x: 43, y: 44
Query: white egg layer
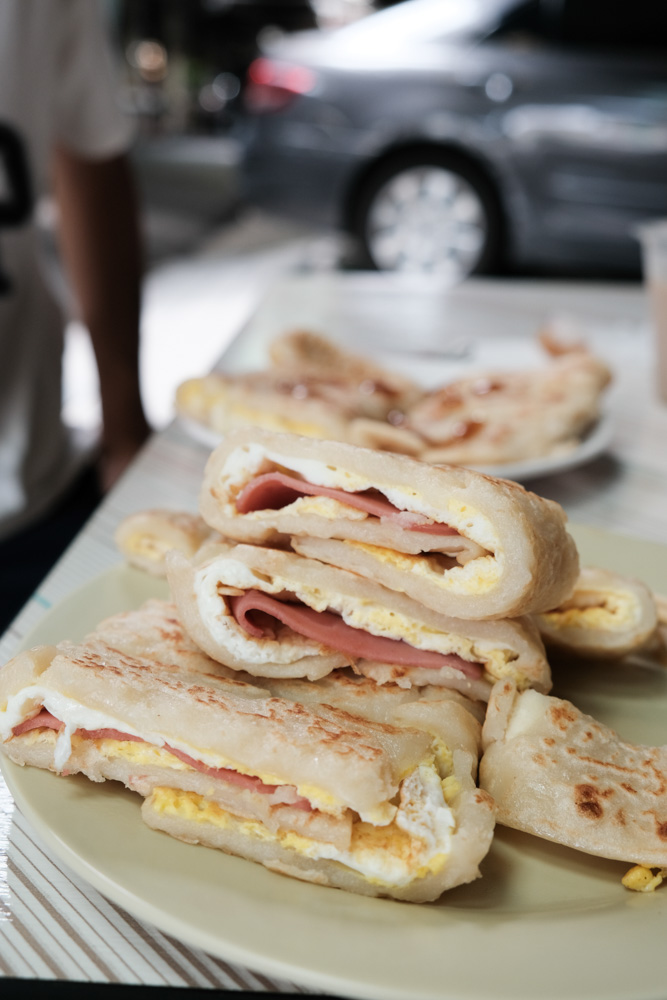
x: 362, y: 614
x: 248, y: 461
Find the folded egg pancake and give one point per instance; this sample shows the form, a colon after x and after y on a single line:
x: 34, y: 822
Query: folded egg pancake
x: 373, y: 391
x: 308, y: 790
x: 507, y: 550
x: 606, y: 615
x: 311, y: 387
x: 559, y: 774
x: 506, y: 416
x: 153, y: 632
x: 278, y: 614
x: 143, y: 538
x: 313, y: 407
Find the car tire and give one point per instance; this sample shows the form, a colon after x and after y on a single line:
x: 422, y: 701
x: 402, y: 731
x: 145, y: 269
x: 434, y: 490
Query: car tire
x: 431, y: 212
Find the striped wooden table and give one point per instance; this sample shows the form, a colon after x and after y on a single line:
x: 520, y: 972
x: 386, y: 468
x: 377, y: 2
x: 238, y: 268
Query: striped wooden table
x: 53, y: 925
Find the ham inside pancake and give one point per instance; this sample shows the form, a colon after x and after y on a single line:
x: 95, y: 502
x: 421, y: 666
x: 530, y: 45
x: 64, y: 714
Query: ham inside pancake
x: 260, y: 614
x: 46, y: 720
x: 274, y: 490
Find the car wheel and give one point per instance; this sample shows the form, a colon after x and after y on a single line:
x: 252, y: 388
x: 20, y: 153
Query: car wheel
x: 429, y: 212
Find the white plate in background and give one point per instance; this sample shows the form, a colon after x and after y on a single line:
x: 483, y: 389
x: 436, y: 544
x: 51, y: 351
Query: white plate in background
x: 594, y: 444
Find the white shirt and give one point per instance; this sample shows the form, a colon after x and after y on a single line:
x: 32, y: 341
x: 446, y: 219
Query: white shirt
x: 56, y: 85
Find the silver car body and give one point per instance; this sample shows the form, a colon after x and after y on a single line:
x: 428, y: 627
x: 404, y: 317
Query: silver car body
x: 573, y: 139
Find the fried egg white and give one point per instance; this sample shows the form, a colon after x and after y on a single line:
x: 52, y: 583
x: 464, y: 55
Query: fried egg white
x: 417, y: 842
x: 361, y: 614
x: 247, y: 461
x: 528, y: 714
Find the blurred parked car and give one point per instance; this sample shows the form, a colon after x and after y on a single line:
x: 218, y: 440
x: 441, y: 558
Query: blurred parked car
x: 453, y: 135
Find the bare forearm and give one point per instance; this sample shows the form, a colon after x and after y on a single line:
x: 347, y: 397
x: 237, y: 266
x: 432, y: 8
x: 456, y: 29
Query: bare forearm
x: 101, y: 245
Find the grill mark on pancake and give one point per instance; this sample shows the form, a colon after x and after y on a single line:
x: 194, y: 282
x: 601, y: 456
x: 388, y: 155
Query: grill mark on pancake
x: 271, y: 708
x: 339, y: 733
x: 659, y: 777
x: 326, y: 737
x: 649, y: 765
x: 483, y: 798
x: 562, y: 716
x: 586, y: 799
x: 603, y: 763
x: 660, y: 824
x: 171, y: 633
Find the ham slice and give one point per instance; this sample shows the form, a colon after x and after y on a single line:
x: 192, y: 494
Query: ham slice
x: 274, y: 490
x: 108, y: 734
x: 45, y: 720
x: 258, y: 614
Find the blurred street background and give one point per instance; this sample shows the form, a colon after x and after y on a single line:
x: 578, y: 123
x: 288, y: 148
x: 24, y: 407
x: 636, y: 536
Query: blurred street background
x: 209, y: 257
x: 571, y: 121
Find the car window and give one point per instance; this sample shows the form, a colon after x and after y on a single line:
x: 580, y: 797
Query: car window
x: 523, y: 24
x: 610, y: 24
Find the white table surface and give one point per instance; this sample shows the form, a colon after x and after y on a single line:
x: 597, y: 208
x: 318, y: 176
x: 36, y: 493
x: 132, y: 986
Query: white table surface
x: 52, y: 924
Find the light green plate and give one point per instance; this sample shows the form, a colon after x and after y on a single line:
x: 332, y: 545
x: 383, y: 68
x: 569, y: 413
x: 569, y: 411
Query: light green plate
x: 543, y: 923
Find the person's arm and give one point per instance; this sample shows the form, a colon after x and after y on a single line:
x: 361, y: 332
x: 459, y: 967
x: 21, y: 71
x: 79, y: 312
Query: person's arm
x: 101, y: 246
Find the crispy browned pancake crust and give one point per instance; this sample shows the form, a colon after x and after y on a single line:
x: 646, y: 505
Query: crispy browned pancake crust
x: 559, y: 774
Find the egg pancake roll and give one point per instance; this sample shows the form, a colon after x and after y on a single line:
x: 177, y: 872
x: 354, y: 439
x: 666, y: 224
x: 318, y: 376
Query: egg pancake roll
x: 494, y: 417
x: 278, y: 614
x: 307, y: 790
x: 154, y: 632
x: 607, y: 615
x: 312, y: 387
x: 508, y: 551
x: 144, y: 537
